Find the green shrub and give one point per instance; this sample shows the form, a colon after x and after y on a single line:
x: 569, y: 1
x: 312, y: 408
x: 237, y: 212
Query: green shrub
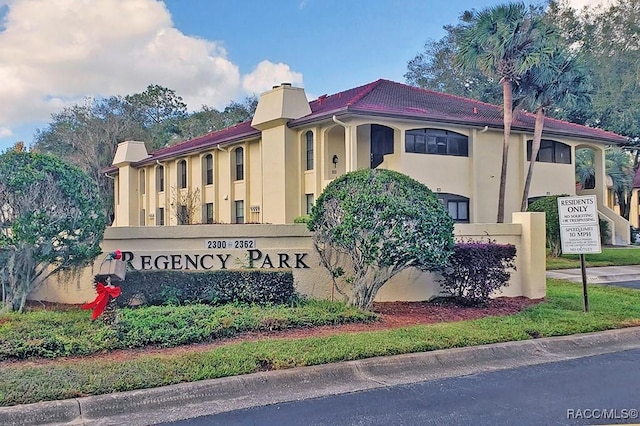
x: 370, y: 225
x: 605, y: 232
x: 51, y: 219
x: 305, y: 218
x: 213, y: 287
x: 53, y: 334
x: 477, y: 269
x: 549, y: 206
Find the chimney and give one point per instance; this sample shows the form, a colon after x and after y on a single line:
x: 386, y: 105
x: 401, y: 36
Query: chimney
x: 279, y: 105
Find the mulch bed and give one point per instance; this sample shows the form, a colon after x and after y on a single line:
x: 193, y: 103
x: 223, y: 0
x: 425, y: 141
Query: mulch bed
x: 392, y: 315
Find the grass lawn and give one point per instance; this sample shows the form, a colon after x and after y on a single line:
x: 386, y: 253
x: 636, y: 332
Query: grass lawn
x: 609, y: 257
x: 560, y: 314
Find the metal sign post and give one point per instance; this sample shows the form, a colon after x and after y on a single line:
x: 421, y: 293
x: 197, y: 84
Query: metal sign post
x: 580, y: 231
x: 585, y: 295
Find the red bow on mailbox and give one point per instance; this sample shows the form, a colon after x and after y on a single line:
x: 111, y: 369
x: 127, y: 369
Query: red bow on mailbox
x: 101, y: 301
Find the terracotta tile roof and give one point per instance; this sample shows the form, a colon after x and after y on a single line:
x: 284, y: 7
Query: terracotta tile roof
x: 235, y: 133
x: 391, y: 99
x: 388, y: 98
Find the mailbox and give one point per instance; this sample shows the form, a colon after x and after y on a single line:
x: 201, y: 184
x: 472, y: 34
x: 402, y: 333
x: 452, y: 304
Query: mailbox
x: 113, y: 269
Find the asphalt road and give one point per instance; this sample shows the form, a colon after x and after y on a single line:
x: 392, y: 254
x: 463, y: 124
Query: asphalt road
x: 603, y: 389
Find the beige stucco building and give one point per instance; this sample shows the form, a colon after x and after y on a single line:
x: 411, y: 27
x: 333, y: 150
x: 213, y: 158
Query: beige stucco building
x: 272, y: 168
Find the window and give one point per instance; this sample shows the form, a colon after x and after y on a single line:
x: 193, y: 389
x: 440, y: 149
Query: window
x: 143, y: 185
x: 239, y: 211
x: 532, y: 200
x: 309, y: 202
x: 143, y: 217
x: 239, y: 164
x: 309, y: 137
x: 208, y: 213
x: 435, y: 141
x: 208, y: 169
x: 457, y: 206
x: 183, y: 215
x: 551, y: 152
x: 160, y: 178
x: 160, y: 216
x: 182, y: 174
x: 459, y: 210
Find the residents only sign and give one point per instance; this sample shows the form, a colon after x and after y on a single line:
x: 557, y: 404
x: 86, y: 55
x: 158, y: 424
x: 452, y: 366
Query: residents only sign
x: 579, y: 226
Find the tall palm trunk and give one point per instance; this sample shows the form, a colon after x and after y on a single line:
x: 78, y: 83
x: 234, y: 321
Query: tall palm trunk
x: 535, y: 147
x: 507, y: 96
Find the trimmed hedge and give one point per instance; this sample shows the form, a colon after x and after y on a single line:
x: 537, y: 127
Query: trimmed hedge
x: 477, y: 269
x: 145, y: 288
x: 305, y: 218
x: 549, y: 206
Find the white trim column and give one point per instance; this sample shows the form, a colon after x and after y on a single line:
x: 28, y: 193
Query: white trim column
x: 351, y: 148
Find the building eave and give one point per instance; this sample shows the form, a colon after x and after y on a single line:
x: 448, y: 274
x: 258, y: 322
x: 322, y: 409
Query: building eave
x: 199, y: 148
x: 350, y: 110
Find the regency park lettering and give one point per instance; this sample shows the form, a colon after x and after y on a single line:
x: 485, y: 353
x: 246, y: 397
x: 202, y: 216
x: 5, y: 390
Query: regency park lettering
x: 254, y: 259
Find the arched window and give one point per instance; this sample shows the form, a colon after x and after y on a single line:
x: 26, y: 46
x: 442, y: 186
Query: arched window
x: 160, y: 178
x: 182, y: 174
x: 551, y: 152
x: 436, y: 141
x: 309, y: 140
x: 456, y: 205
x: 208, y: 169
x: 239, y: 164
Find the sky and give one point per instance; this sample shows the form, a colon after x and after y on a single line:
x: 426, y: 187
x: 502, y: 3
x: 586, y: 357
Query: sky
x: 57, y: 53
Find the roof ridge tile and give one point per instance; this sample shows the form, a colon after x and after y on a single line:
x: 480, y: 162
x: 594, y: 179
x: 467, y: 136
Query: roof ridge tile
x: 197, y: 138
x: 366, y: 89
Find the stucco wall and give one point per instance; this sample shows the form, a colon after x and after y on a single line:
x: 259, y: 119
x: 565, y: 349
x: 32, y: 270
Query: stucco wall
x: 290, y: 246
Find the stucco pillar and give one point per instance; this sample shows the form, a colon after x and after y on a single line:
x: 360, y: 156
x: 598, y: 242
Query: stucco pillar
x: 352, y: 148
x: 532, y: 253
x: 127, y: 202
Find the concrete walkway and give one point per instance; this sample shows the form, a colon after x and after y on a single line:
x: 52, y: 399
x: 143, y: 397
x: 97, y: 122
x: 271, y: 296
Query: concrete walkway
x: 600, y: 275
x: 188, y: 400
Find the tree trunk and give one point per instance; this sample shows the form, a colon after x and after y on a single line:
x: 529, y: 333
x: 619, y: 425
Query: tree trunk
x: 508, y: 117
x: 535, y: 147
x: 624, y: 198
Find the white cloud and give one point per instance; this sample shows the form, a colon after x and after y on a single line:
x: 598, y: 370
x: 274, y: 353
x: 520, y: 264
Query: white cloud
x: 56, y: 52
x: 267, y: 74
x: 4, y: 132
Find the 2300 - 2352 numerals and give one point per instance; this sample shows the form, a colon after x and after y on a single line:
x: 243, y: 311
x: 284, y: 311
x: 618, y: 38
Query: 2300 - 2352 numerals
x: 230, y: 244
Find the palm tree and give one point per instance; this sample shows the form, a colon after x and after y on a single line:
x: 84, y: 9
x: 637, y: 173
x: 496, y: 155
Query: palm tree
x: 504, y: 42
x: 561, y: 80
x: 585, y: 168
x: 619, y: 167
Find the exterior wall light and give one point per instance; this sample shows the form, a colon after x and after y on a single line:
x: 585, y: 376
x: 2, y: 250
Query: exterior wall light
x: 334, y: 160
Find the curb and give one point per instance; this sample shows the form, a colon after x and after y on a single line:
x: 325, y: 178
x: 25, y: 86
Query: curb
x: 188, y: 400
x: 595, y: 279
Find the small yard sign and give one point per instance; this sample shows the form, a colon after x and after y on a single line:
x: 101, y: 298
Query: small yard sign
x: 579, y: 231
x: 579, y: 227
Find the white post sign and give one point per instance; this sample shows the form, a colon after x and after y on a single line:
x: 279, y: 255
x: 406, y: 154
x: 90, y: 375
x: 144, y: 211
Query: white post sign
x: 579, y: 226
